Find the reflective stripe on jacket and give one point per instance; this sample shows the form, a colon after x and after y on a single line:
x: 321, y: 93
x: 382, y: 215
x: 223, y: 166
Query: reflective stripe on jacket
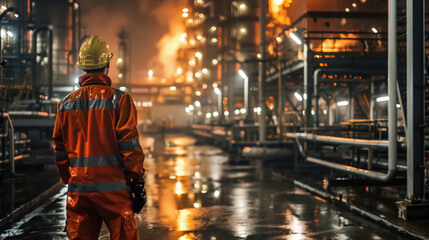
x: 95, y: 137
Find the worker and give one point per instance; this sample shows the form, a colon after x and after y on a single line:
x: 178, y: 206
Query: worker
x: 97, y: 151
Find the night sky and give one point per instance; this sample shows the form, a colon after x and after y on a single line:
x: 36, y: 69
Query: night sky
x: 149, y: 22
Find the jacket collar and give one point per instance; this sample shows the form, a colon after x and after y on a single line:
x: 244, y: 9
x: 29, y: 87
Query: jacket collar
x: 94, y: 78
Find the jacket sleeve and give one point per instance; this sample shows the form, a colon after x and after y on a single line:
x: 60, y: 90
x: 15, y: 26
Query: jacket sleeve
x: 61, y: 156
x: 128, y: 137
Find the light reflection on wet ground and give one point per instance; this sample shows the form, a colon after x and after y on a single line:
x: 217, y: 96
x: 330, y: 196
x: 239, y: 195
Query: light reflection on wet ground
x: 194, y: 193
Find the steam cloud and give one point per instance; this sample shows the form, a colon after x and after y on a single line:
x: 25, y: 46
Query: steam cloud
x: 154, y: 28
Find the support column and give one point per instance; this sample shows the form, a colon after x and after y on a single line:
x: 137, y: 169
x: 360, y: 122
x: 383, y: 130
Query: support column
x: 280, y: 101
x: 261, y: 70
x: 415, y: 99
x: 414, y: 206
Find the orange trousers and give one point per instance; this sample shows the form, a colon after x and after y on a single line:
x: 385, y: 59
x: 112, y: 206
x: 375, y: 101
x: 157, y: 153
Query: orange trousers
x: 87, y: 211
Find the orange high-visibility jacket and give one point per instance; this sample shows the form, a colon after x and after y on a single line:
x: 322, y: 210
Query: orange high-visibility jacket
x: 96, y: 139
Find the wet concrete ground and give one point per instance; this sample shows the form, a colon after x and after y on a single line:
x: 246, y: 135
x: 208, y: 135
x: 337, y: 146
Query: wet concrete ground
x: 195, y: 193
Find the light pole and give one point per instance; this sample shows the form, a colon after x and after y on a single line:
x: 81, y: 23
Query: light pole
x: 246, y: 94
x: 219, y: 102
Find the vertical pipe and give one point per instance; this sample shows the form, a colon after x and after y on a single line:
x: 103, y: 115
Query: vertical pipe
x: 307, y: 86
x: 261, y: 70
x: 11, y: 147
x: 281, y: 102
x: 415, y: 99
x: 392, y: 78
x: 351, y: 109
x: 371, y: 101
x: 73, y: 43
x: 50, y: 72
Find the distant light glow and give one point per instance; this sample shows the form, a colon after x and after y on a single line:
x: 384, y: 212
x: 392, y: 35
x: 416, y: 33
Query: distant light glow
x: 243, y: 30
x: 216, y: 193
x: 214, y: 40
x: 347, y: 9
x: 119, y: 61
x: 120, y: 75
x: 354, y: 5
x: 278, y: 39
x: 198, y: 55
x: 197, y: 93
x: 179, y: 189
x: 197, y: 104
x: 122, y: 88
x: 4, y: 7
x: 76, y: 80
x: 205, y: 70
x: 213, y: 28
x: 199, y: 37
x: 214, y: 85
x: 204, y: 86
x: 185, y: 10
x: 10, y: 34
x: 243, y: 111
x: 214, y: 61
x: 242, y: 6
x: 237, y: 111
x: 398, y: 105
x: 374, y: 30
x: 382, y: 99
x: 208, y: 115
x: 191, y: 107
x: 197, y: 205
x: 192, y: 41
x: 342, y: 103
x: 179, y: 71
x: 150, y: 73
x: 215, y: 114
x: 226, y: 113
x: 173, y: 88
x: 185, y: 14
x: 197, y: 74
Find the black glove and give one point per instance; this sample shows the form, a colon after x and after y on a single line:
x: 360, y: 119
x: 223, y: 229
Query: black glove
x: 138, y: 194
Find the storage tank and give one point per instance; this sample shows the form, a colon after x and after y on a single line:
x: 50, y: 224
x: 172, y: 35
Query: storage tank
x: 59, y: 15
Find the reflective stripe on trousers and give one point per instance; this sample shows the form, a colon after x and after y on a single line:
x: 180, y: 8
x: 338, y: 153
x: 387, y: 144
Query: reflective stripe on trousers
x: 98, y: 187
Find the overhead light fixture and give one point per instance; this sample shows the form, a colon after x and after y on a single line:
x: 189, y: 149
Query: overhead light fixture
x: 217, y: 91
x: 382, y: 99
x: 296, y: 37
x: 374, y: 30
x: 342, y: 103
x: 298, y: 96
x: 242, y: 74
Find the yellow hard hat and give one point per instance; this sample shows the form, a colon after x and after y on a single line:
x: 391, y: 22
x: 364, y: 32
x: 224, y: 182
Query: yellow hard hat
x: 94, y: 53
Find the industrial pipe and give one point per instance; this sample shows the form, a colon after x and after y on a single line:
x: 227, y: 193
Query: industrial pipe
x: 339, y: 140
x: 320, y: 71
x: 392, y: 113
